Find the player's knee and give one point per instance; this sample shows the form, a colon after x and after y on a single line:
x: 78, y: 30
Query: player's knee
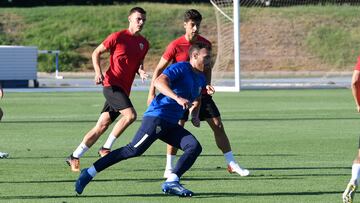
x: 133, y: 152
x: 131, y: 117
x: 198, y: 149
x: 101, y: 127
x: 194, y: 148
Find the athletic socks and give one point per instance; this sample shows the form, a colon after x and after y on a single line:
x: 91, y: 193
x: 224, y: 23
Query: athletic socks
x: 172, y: 177
x: 92, y: 171
x: 355, y: 172
x: 170, y: 159
x: 229, y: 157
x: 80, y: 150
x: 109, y: 142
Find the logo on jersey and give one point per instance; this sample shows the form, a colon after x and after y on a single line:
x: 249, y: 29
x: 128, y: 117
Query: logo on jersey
x: 141, y: 45
x: 158, y: 129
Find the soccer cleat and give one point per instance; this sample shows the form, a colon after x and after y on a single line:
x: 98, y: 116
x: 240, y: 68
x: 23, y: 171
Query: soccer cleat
x: 82, y: 181
x: 167, y: 172
x: 349, y: 193
x: 175, y: 188
x: 74, y: 163
x: 4, y: 155
x: 235, y: 168
x: 103, y: 151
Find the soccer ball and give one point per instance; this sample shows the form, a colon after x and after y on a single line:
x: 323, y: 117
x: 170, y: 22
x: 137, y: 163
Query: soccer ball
x: 1, y: 114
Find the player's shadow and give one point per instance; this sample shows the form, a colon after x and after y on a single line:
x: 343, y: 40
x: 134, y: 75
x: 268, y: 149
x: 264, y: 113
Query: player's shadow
x: 223, y: 119
x: 197, y: 195
x: 161, y: 156
x: 257, y: 194
x: 289, y: 119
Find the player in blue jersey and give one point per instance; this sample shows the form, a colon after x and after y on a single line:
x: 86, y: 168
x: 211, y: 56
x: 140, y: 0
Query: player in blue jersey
x: 180, y: 89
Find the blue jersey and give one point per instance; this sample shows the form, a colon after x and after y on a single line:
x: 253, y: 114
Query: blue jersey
x: 185, y: 83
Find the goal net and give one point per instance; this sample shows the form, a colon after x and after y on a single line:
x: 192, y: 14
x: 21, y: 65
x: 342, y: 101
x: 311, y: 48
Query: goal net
x: 287, y: 43
x: 226, y: 69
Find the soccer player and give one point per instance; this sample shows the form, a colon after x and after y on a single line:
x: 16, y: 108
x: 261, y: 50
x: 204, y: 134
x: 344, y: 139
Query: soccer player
x: 2, y: 154
x: 179, y: 85
x: 127, y: 52
x: 348, y: 195
x: 177, y: 51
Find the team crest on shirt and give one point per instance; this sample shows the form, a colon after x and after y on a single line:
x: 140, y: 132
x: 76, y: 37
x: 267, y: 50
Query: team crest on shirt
x: 158, y: 129
x: 141, y: 45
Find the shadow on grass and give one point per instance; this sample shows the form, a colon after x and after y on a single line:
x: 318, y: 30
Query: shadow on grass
x: 258, y: 177
x: 162, y: 156
x: 225, y: 119
x: 197, y: 195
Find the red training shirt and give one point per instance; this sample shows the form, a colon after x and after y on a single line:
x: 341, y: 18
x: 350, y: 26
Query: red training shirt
x: 126, y: 53
x: 357, y: 67
x: 178, y: 50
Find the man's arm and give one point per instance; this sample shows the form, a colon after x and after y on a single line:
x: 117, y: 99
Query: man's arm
x: 355, y: 87
x: 99, y: 77
x: 142, y: 73
x: 163, y: 85
x: 209, y: 88
x: 194, y: 112
x: 163, y: 63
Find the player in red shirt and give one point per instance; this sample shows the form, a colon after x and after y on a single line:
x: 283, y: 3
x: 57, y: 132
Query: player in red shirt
x: 348, y: 195
x: 177, y: 51
x: 127, y: 52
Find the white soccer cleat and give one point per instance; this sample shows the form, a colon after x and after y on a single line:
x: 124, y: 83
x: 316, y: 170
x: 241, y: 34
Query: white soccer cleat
x: 235, y: 168
x: 167, y: 172
x: 349, y: 193
x: 4, y: 155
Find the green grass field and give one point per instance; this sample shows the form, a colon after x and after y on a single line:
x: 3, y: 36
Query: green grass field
x: 298, y: 144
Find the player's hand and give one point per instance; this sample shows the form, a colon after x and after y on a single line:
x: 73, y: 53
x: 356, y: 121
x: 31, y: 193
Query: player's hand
x: 1, y: 93
x: 195, y: 121
x: 210, y: 89
x: 99, y: 78
x: 143, y: 75
x: 184, y: 103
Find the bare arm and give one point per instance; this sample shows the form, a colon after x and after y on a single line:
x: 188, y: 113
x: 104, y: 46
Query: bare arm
x: 355, y: 87
x: 99, y: 77
x: 163, y: 63
x: 208, y: 71
x: 194, y: 112
x: 162, y: 84
x: 142, y: 73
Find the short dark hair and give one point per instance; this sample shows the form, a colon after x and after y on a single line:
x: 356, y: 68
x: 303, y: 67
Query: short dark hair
x: 193, y: 15
x: 199, y: 45
x: 137, y: 9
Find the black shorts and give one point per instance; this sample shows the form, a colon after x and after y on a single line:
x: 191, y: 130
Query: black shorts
x: 208, y: 109
x: 116, y: 100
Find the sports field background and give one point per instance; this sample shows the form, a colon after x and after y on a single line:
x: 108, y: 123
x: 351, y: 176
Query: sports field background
x: 298, y: 144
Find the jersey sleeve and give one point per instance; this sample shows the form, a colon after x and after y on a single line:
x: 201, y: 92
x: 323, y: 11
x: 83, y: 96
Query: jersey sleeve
x: 110, y: 41
x: 174, y: 71
x: 170, y: 52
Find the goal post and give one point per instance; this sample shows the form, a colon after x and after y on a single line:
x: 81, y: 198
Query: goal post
x: 226, y: 69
